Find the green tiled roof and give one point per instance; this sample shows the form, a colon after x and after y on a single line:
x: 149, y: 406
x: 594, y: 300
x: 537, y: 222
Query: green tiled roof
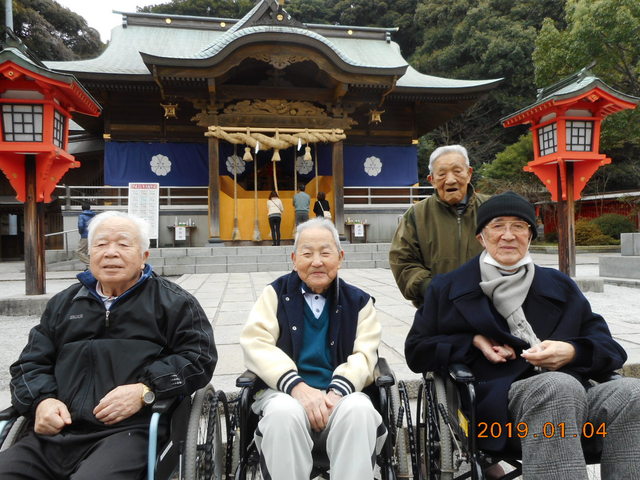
x: 192, y: 40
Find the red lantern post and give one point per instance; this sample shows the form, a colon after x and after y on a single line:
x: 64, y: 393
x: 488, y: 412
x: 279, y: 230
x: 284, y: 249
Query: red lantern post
x: 36, y: 107
x: 565, y: 121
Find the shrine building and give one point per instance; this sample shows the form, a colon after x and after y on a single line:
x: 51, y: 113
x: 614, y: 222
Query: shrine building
x: 220, y: 112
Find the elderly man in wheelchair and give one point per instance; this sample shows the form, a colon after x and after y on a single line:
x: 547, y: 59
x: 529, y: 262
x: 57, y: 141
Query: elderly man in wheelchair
x: 532, y: 344
x: 312, y: 340
x: 104, y: 351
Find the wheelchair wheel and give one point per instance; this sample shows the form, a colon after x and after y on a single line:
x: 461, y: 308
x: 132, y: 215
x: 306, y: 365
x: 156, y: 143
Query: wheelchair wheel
x: 204, y: 454
x: 437, y: 449
x: 401, y: 459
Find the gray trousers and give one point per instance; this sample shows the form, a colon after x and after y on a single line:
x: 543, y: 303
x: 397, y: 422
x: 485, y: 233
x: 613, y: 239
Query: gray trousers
x: 352, y: 438
x: 555, y: 398
x: 301, y: 216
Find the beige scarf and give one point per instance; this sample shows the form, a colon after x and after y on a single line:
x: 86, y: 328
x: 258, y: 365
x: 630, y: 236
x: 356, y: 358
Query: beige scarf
x: 507, y: 293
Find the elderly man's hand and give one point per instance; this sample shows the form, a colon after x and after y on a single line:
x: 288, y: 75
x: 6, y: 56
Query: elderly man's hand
x: 492, y: 350
x: 550, y: 354
x: 51, y: 417
x: 119, y: 404
x: 314, y: 403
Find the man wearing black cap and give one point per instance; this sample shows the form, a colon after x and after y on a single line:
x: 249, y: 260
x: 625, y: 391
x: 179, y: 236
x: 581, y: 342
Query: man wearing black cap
x: 532, y: 342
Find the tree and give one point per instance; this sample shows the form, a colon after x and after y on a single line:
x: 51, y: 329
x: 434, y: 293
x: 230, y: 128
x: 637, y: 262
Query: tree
x: 204, y: 8
x: 604, y: 31
x: 475, y: 39
x: 506, y: 173
x: 53, y: 32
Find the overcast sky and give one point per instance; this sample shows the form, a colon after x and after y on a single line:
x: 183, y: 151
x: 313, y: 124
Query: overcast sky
x: 98, y: 13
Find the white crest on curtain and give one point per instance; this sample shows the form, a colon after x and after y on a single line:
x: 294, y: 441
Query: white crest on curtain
x: 234, y: 161
x: 160, y: 165
x: 303, y: 166
x: 372, y: 166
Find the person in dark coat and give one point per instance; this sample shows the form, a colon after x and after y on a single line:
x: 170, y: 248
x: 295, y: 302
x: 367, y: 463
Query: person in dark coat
x: 532, y: 342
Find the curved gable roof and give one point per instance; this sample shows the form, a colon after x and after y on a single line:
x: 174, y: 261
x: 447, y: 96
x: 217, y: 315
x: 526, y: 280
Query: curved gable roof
x: 261, y: 34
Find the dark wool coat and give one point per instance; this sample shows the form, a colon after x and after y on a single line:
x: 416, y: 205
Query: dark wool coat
x: 455, y: 309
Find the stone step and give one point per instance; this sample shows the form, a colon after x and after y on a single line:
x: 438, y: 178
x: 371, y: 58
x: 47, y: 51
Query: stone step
x: 234, y: 259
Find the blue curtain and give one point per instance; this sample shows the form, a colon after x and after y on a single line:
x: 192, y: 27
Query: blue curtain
x: 169, y: 164
x: 376, y: 166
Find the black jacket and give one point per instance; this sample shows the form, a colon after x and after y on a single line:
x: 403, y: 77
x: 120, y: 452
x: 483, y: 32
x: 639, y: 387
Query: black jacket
x: 155, y: 333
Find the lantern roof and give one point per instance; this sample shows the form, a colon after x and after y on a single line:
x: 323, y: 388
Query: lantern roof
x: 580, y: 90
x: 16, y: 64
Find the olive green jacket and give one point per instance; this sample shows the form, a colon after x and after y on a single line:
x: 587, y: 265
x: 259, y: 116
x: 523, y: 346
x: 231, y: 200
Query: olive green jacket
x: 432, y: 238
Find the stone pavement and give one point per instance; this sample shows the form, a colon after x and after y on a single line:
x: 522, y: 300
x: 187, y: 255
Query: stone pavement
x: 228, y: 297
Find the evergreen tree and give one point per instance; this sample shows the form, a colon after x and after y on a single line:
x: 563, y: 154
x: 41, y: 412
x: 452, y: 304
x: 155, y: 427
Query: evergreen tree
x: 53, y: 32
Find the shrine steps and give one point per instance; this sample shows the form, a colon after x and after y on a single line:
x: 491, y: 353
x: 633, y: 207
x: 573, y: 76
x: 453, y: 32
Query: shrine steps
x: 236, y: 259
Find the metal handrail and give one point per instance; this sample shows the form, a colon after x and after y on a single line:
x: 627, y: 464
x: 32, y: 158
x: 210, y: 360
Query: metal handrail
x: 118, y: 196
x: 66, y: 239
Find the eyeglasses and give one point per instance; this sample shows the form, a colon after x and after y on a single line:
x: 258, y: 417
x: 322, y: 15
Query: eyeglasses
x: 499, y: 228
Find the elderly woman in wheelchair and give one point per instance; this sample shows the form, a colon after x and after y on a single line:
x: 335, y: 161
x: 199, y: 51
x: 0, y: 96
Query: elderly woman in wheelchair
x: 312, y: 340
x: 532, y: 343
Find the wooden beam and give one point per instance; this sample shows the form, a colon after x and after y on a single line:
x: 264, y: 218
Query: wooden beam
x: 228, y: 93
x: 214, y: 191
x: 33, y: 233
x: 337, y: 172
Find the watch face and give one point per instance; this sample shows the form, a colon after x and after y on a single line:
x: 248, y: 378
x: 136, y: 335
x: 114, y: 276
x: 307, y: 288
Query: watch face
x: 149, y: 397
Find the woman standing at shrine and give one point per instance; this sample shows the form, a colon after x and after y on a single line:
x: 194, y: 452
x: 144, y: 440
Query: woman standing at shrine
x: 275, y: 209
x: 321, y: 207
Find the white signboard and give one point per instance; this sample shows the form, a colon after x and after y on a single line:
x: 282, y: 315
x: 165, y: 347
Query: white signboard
x: 181, y: 233
x: 358, y: 230
x: 144, y: 202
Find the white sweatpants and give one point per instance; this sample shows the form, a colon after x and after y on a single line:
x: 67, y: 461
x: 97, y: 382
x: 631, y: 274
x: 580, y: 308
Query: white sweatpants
x: 352, y: 439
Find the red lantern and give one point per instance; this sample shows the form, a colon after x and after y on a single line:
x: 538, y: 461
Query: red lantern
x: 565, y: 122
x: 36, y: 107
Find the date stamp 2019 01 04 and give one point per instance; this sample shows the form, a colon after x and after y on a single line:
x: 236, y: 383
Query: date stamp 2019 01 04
x: 549, y: 430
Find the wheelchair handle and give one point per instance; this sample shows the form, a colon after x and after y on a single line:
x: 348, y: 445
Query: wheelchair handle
x: 383, y: 374
x: 247, y: 379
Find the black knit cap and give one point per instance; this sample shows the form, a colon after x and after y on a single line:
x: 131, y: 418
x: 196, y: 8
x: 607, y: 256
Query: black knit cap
x: 507, y: 204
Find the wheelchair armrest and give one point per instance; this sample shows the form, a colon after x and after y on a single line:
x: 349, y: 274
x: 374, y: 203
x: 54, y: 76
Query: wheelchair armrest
x: 8, y: 413
x: 247, y: 379
x: 383, y: 374
x: 461, y: 373
x: 163, y: 406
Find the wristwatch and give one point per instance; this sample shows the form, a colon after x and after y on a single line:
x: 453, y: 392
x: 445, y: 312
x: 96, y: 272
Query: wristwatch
x: 148, y: 397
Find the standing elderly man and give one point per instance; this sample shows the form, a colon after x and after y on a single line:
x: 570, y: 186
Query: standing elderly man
x: 105, y: 349
x: 532, y: 342
x: 437, y: 235
x: 312, y: 339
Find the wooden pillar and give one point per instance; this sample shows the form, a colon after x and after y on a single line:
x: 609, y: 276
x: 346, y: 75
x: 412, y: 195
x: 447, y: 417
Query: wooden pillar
x: 566, y: 224
x: 214, y: 190
x: 34, y: 266
x: 337, y: 171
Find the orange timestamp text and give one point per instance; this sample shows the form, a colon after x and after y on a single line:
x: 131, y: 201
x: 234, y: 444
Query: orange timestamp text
x: 549, y: 430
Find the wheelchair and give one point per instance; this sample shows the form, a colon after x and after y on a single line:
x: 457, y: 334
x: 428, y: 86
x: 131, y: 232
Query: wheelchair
x: 193, y: 448
x: 393, y: 460
x: 443, y: 441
